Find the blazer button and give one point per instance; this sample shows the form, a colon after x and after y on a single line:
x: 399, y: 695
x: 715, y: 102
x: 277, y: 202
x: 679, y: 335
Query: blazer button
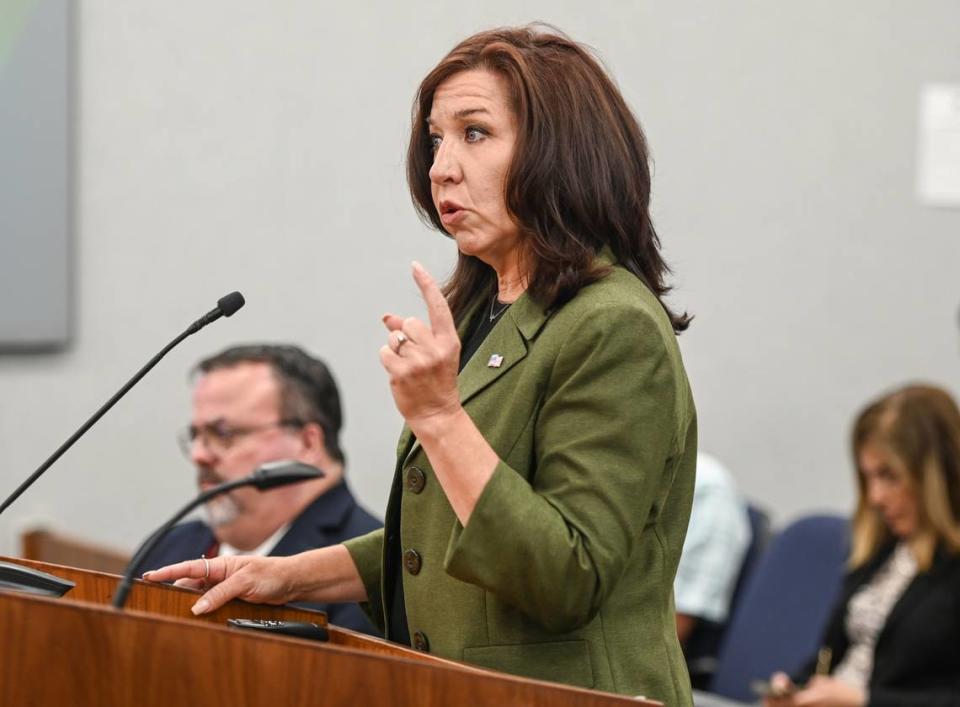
x: 420, y: 642
x: 411, y: 561
x: 416, y: 480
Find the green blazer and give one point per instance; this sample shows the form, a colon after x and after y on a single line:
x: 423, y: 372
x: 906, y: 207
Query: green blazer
x: 565, y: 569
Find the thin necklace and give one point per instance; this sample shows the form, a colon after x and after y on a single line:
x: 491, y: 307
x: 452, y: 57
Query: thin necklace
x: 504, y: 308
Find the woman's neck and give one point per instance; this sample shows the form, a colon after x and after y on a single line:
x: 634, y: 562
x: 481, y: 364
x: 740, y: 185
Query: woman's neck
x: 510, y: 290
x: 511, y: 280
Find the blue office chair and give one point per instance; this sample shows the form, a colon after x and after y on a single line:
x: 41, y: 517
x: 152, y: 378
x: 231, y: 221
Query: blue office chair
x: 760, y: 536
x: 785, y: 605
x: 703, y: 646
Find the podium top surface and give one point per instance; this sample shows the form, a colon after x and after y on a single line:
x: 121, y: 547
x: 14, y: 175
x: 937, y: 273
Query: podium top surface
x: 157, y: 653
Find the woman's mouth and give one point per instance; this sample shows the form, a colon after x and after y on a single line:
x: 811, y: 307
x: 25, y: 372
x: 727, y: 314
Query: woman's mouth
x: 451, y: 213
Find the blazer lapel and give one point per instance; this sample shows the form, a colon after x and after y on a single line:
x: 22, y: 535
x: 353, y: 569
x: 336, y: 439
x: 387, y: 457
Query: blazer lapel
x: 912, y: 596
x: 404, y: 444
x: 319, y: 524
x: 503, y: 349
x: 508, y: 342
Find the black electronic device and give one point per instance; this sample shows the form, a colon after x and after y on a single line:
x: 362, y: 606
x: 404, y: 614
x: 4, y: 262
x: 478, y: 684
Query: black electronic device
x: 26, y: 579
x: 296, y: 629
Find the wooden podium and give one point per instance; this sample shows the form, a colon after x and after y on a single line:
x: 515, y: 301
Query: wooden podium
x: 78, y: 651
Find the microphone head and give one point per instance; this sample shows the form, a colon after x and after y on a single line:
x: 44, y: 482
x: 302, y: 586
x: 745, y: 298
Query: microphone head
x: 229, y: 304
x: 282, y: 473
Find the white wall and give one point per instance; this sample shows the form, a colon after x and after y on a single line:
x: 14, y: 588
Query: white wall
x: 259, y: 146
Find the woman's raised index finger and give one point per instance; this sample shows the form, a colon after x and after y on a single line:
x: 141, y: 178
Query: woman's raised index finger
x: 441, y: 319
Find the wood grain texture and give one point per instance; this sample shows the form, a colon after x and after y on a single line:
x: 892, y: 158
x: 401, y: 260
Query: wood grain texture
x: 99, y: 587
x: 79, y: 651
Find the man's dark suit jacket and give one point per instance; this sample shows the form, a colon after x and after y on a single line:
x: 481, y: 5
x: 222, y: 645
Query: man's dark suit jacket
x: 917, y: 657
x: 330, y: 519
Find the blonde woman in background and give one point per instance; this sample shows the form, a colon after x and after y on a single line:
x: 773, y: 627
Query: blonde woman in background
x: 894, y: 638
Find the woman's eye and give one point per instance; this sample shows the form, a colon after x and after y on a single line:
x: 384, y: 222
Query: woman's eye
x: 474, y: 134
x: 435, y: 141
x: 887, y: 475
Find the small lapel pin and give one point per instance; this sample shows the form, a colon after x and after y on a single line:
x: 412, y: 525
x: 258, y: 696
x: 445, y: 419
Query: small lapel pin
x: 496, y: 360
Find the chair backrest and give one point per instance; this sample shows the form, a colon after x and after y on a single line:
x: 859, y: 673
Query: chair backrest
x: 48, y: 546
x: 760, y: 535
x: 779, y: 619
x: 703, y: 645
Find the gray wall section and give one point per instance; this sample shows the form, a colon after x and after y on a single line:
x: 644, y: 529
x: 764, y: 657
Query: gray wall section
x: 260, y: 147
x: 34, y: 182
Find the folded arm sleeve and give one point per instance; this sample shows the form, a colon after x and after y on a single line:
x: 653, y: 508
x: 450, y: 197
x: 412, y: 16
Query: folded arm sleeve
x: 554, y: 545
x: 367, y: 554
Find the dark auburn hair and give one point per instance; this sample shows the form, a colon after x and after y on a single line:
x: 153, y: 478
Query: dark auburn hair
x: 917, y: 429
x: 307, y: 390
x: 579, y: 178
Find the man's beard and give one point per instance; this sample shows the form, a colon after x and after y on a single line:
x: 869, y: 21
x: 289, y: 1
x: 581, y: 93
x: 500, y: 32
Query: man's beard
x: 222, y: 511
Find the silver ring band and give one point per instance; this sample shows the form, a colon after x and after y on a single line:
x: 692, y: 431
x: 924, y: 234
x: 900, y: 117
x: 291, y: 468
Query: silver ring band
x: 206, y: 566
x: 401, y: 340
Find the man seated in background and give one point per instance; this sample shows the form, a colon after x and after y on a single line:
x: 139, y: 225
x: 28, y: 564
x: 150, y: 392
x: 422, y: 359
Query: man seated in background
x: 258, y: 404
x: 713, y: 552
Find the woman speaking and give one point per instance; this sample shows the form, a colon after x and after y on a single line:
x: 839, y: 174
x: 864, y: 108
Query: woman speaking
x: 545, y: 472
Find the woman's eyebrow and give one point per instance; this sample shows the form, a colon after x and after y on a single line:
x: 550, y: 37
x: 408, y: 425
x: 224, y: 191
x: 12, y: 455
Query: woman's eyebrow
x: 460, y: 114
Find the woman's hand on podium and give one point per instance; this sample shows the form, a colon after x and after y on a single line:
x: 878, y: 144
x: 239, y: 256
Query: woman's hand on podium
x: 256, y: 579
x: 324, y: 575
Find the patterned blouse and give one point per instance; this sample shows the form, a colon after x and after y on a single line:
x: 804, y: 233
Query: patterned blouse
x: 867, y: 612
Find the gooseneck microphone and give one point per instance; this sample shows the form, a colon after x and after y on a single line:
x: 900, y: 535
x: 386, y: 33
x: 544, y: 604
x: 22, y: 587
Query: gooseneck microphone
x: 268, y: 476
x: 226, y: 307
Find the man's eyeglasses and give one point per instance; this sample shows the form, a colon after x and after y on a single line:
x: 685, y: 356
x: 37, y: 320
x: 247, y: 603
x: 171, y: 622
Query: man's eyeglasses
x: 220, y: 437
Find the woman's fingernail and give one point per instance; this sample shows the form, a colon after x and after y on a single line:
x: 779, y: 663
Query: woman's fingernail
x: 201, y: 607
x: 417, y: 266
x: 144, y: 575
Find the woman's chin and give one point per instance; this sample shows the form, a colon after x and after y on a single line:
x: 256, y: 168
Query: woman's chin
x: 901, y: 529
x: 469, y: 246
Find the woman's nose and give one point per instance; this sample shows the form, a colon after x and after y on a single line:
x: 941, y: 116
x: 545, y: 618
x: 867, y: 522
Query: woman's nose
x: 876, y: 494
x: 445, y: 167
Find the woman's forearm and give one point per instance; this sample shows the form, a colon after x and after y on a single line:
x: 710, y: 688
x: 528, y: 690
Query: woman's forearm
x: 460, y: 456
x: 325, y: 575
